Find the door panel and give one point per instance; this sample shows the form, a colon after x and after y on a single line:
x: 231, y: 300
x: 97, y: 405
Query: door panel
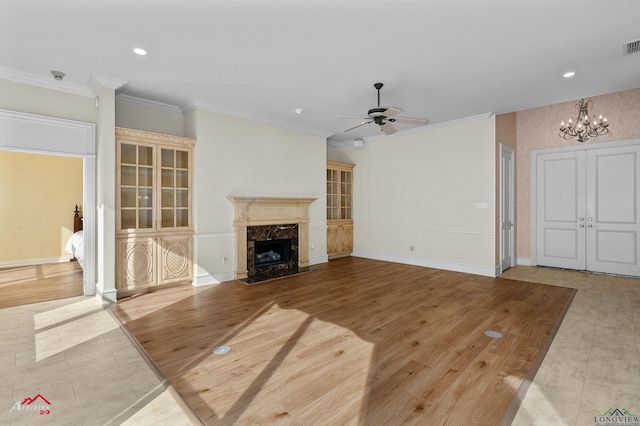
x: 560, y: 203
x: 507, y: 207
x: 613, y: 217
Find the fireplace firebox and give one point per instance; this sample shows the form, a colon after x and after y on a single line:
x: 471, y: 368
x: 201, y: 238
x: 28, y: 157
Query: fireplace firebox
x: 272, y: 251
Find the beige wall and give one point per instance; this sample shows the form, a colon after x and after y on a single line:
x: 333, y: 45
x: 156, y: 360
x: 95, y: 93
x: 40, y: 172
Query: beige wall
x: 239, y: 157
x: 37, y: 196
x: 132, y: 116
x: 36, y: 100
x: 420, y: 189
x: 538, y: 128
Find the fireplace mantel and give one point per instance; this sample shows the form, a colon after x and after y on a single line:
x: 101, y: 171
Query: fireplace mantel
x: 256, y: 211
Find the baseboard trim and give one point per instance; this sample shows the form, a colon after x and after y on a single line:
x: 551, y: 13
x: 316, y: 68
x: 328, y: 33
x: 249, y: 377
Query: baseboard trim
x: 31, y: 262
x: 108, y: 296
x: 215, y: 278
x: 487, y: 271
x: 316, y: 260
x: 524, y: 261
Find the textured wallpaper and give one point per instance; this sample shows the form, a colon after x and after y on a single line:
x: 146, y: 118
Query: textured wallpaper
x: 538, y: 128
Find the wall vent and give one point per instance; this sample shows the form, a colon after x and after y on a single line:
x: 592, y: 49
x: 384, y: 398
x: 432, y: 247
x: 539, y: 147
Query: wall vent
x: 631, y: 47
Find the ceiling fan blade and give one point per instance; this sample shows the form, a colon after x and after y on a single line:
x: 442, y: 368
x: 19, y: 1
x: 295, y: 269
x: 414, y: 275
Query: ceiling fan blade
x: 359, y: 117
x: 408, y: 120
x: 390, y: 112
x: 388, y: 129
x: 364, y: 123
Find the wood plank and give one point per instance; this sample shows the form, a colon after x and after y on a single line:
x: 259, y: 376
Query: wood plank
x: 353, y: 341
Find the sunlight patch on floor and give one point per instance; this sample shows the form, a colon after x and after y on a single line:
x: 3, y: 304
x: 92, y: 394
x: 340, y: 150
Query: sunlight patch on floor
x: 535, y: 409
x: 65, y: 336
x: 254, y: 371
x: 66, y: 312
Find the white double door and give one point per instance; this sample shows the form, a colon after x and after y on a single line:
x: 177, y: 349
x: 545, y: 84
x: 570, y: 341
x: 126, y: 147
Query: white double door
x: 587, y: 212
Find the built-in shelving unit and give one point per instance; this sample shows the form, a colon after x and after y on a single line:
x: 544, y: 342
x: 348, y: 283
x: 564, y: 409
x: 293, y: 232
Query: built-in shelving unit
x: 153, y: 218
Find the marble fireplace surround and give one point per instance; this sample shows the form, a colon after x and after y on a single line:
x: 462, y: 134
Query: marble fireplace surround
x: 260, y: 211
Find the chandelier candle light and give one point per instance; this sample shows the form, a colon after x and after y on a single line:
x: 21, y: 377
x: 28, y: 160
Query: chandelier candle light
x: 584, y: 128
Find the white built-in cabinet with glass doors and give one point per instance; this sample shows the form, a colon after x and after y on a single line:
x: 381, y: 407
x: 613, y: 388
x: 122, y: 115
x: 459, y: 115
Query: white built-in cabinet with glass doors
x: 153, y: 217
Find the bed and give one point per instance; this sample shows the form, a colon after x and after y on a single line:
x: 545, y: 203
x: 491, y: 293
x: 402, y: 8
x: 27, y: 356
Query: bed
x: 75, y: 244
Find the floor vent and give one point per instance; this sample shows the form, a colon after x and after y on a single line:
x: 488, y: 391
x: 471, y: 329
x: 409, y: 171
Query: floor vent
x: 631, y: 47
x: 221, y: 350
x: 493, y: 334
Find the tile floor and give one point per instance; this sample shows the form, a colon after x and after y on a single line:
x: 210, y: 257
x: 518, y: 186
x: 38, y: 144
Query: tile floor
x: 593, y: 363
x: 73, y: 353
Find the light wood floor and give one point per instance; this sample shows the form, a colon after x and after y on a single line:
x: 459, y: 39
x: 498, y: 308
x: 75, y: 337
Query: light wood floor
x: 39, y: 283
x: 355, y: 341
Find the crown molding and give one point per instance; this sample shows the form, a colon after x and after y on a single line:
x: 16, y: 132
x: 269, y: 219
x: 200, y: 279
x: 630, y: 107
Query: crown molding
x: 146, y: 103
x: 143, y: 135
x: 98, y: 82
x: 44, y: 82
x: 427, y: 128
x: 197, y: 104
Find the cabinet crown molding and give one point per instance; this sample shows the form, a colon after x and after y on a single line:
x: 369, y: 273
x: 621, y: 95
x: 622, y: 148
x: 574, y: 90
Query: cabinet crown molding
x: 270, y: 200
x: 145, y: 136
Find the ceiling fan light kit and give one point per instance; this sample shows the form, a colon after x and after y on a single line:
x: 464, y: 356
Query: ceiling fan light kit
x: 383, y: 117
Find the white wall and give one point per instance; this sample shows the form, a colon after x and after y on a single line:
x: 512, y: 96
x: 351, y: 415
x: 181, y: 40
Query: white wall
x: 240, y: 157
x: 420, y: 189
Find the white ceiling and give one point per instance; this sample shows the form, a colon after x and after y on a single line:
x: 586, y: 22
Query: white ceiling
x: 439, y: 59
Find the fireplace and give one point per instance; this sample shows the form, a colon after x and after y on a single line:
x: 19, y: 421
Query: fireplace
x: 259, y: 224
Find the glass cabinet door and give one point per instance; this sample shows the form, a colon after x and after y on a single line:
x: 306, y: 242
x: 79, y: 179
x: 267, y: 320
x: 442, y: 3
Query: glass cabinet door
x: 175, y: 189
x: 333, y: 206
x: 345, y: 194
x: 136, y: 186
x: 339, y: 193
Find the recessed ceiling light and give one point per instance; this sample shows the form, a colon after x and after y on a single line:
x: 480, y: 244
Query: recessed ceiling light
x: 299, y: 110
x: 139, y: 51
x: 569, y: 74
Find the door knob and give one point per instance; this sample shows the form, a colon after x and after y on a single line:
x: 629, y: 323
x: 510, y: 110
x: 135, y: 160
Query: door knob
x: 582, y: 225
x: 581, y: 219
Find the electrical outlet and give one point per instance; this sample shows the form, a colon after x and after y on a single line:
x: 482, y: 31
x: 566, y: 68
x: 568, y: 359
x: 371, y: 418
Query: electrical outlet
x: 411, y: 248
x: 225, y: 260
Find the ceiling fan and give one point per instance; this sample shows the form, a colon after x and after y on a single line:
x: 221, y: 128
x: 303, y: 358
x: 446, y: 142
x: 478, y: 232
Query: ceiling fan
x: 383, y: 117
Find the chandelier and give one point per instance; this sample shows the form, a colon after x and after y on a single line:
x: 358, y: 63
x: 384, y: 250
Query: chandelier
x: 584, y: 127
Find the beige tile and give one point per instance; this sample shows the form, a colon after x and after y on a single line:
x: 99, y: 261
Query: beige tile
x: 622, y: 349
x: 614, y: 372
x: 595, y: 355
x: 548, y: 406
x: 161, y: 410
x: 598, y: 397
